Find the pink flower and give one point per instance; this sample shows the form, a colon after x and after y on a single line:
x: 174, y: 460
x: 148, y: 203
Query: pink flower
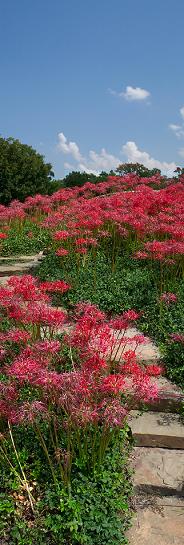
x: 168, y: 298
x: 177, y: 337
x: 55, y: 286
x: 30, y: 412
x: 81, y: 251
x: 113, y: 384
x: 61, y: 252
x: 61, y: 235
x: 154, y: 370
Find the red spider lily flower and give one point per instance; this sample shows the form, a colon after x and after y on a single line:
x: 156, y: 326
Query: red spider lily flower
x: 88, y: 310
x: 154, y: 370
x: 141, y: 255
x: 115, y: 414
x: 26, y: 287
x: 168, y: 298
x: 113, y: 384
x: 177, y: 337
x: 61, y: 235
x: 124, y: 320
x: 17, y: 336
x: 131, y: 315
x: 2, y: 354
x: 25, y: 369
x: 80, y: 241
x: 3, y: 236
x: 47, y: 347
x: 31, y: 412
x: 144, y: 390
x: 8, y: 398
x: 81, y: 251
x: 37, y: 313
x: 62, y: 252
x: 58, y: 286
x: 94, y: 364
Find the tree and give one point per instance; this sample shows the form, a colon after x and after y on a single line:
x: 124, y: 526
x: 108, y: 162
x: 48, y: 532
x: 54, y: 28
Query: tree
x: 137, y: 168
x: 179, y: 171
x: 76, y: 178
x: 23, y: 171
x: 54, y: 186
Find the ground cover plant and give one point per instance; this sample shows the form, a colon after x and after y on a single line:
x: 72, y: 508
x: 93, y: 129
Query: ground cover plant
x: 108, y: 247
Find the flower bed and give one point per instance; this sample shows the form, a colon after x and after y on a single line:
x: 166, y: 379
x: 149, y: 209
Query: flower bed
x: 69, y: 379
x: 70, y: 390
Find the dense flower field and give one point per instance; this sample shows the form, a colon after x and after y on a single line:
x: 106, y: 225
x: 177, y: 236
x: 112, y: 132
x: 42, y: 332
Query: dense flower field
x: 68, y: 376
x: 127, y: 210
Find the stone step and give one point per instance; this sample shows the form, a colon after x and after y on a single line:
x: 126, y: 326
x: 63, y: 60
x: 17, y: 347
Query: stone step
x: 158, y: 521
x: 22, y: 265
x: 17, y: 268
x: 170, y: 397
x: 161, y: 429
x: 158, y: 471
x: 4, y: 280
x: 21, y: 258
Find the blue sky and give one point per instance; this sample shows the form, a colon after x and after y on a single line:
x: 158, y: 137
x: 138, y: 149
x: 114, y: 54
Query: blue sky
x: 91, y: 83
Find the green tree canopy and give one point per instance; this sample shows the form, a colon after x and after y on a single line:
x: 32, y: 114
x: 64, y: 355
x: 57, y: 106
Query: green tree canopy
x: 137, y: 168
x: 23, y: 171
x: 76, y: 178
x: 179, y: 171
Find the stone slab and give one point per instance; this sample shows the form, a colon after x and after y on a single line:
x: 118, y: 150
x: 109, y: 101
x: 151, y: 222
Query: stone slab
x: 158, y: 470
x: 17, y: 268
x: 157, y: 525
x: 170, y: 396
x: 153, y: 429
x: 4, y: 280
x: 20, y: 258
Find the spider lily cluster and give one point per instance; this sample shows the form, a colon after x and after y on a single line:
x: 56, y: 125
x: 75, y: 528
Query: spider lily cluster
x: 123, y: 214
x: 73, y: 382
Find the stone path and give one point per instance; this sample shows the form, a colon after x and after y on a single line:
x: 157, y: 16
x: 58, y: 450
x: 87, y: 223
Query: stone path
x: 158, y: 465
x: 157, y: 461
x: 158, y: 522
x: 17, y: 265
x: 159, y: 497
x: 158, y: 470
x: 153, y: 429
x: 158, y: 457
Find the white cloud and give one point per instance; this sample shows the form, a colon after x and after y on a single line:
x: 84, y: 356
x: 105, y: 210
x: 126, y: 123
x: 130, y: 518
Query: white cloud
x: 68, y: 166
x: 68, y: 147
x: 134, y: 155
x: 103, y: 160
x: 96, y: 162
x: 178, y: 130
x: 131, y: 93
x: 182, y: 111
x: 135, y: 93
